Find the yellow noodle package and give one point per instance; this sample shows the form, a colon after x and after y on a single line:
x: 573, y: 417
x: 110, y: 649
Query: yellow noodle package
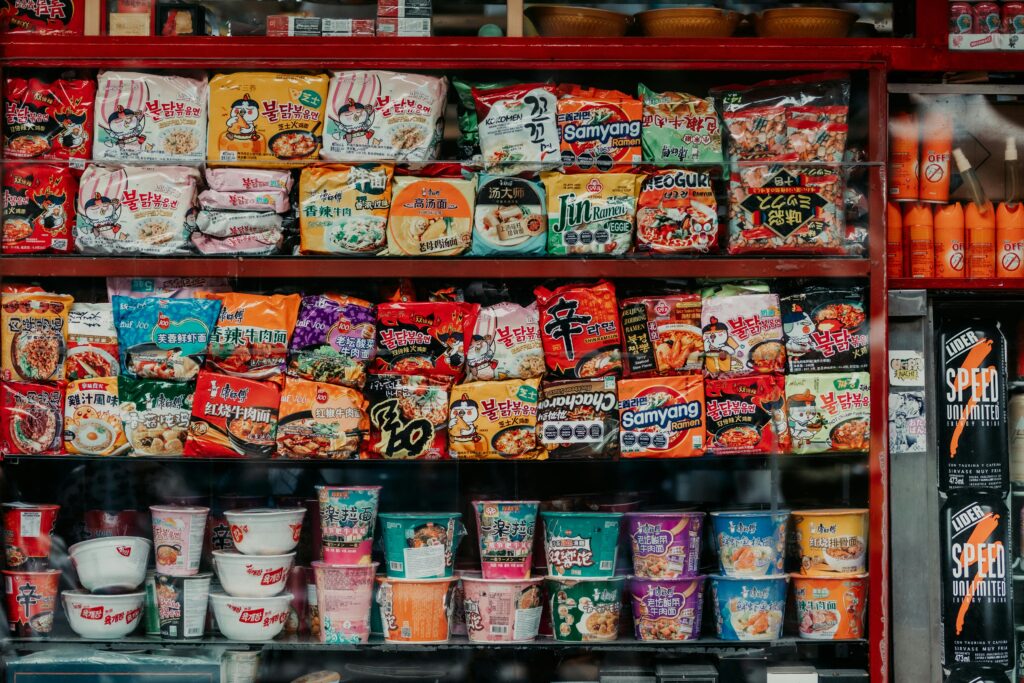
x: 494, y: 420
x: 431, y: 216
x: 34, y: 335
x: 343, y: 209
x: 92, y: 418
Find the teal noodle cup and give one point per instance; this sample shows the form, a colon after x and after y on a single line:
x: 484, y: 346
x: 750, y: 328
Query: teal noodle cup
x: 421, y: 545
x: 581, y: 544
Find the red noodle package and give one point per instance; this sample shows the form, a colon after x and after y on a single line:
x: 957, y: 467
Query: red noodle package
x: 48, y: 120
x: 677, y: 213
x: 662, y: 417
x: 232, y: 417
x: 32, y: 419
x: 424, y: 338
x: 38, y: 208
x: 47, y: 17
x: 747, y: 415
x: 580, y: 330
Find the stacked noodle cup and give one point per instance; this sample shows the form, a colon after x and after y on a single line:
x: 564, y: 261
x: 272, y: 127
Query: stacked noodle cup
x: 181, y: 591
x: 112, y: 570
x: 28, y: 539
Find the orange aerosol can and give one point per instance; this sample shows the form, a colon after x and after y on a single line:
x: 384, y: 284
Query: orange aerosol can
x: 950, y: 241
x: 980, y: 223
x: 1010, y: 240
x: 893, y: 241
x: 936, y: 152
x: 918, y: 222
x: 904, y: 152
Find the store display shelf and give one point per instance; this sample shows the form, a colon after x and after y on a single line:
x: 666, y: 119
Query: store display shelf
x: 961, y: 285
x: 326, y: 267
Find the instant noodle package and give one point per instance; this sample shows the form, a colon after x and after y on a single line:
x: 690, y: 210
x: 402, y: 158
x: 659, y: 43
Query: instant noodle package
x: 599, y: 129
x: 408, y: 417
x: 38, y: 208
x: 681, y: 128
x: 32, y: 418
x: 579, y: 418
x: 494, y: 420
x: 155, y: 415
x: 344, y: 209
x: 662, y: 417
x: 33, y: 336
x: 826, y: 329
x: 163, y: 339
x: 424, y: 338
x: 746, y: 415
x: 677, y: 213
x: 252, y: 333
x: 431, y: 216
x: 232, y: 417
x: 320, y: 421
x: 662, y: 335
x: 517, y: 127
x: 742, y: 335
x: 511, y: 217
x: 333, y: 340
x: 92, y: 418
x: 164, y: 287
x: 829, y: 412
x: 506, y: 343
x: 48, y: 119
x: 590, y: 213
x: 580, y: 330
x: 92, y: 342
x: 43, y: 17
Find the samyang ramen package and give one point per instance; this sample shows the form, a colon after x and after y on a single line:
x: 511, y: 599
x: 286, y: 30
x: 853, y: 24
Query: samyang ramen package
x: 333, y: 340
x: 232, y: 417
x: 580, y: 330
x: 38, y: 208
x: 600, y: 129
x: 494, y: 420
x: 48, y: 119
x: 826, y: 329
x: 408, y: 417
x: 662, y: 417
x: 32, y: 418
x: 747, y: 415
x: 829, y: 411
x: 742, y: 335
x: 662, y: 335
x: 579, y: 419
x: 424, y: 338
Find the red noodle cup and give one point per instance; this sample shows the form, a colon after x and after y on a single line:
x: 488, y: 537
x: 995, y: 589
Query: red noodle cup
x: 502, y: 610
x: 102, y: 524
x: 28, y: 535
x: 667, y: 609
x: 31, y: 601
x: 343, y: 595
x: 832, y: 607
x: 178, y: 533
x: 416, y: 610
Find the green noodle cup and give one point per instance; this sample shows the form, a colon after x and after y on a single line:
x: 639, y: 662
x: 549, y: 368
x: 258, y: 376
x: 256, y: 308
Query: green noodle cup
x: 581, y: 544
x: 421, y: 545
x: 585, y: 610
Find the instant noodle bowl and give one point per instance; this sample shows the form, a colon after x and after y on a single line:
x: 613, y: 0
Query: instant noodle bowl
x: 590, y: 213
x: 250, y: 619
x: 32, y: 418
x: 48, y: 119
x: 265, y: 531
x: 830, y: 608
x: 832, y: 542
x: 34, y: 339
x: 829, y: 412
x: 178, y: 532
x: 666, y: 545
x: 344, y: 209
x: 232, y: 417
x: 511, y: 217
x: 517, y: 127
x: 163, y: 339
x: 750, y: 543
x: 344, y: 596
x: 155, y: 415
x: 581, y: 544
x: 333, y: 340
x: 585, y: 610
x: 579, y: 418
x: 348, y: 515
x: 182, y: 603
x: 667, y: 609
x: 111, y: 564
x: 92, y: 342
x: 408, y: 417
x: 505, y: 530
x: 320, y: 421
x: 494, y: 420
x: 505, y: 344
x: 599, y: 129
x: 742, y: 335
x: 252, y: 333
x: 28, y: 535
x: 662, y: 417
x: 92, y: 418
x: 31, y: 601
x: 580, y: 330
x: 677, y: 213
x: 826, y: 330
x: 747, y: 415
x: 750, y: 608
x: 416, y: 610
x: 423, y: 338
x: 102, y: 616
x: 662, y: 335
x: 421, y: 545
x: 38, y: 208
x: 680, y: 128
x: 502, y: 610
x: 252, y: 576
x: 431, y: 216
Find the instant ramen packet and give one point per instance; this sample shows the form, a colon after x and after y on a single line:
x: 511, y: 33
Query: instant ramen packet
x: 248, y: 179
x: 252, y: 333
x: 677, y: 213
x: 431, y: 216
x: 155, y: 415
x: 511, y: 217
x: 55, y: 18
x: 333, y: 340
x: 506, y: 344
x: 275, y: 201
x: 163, y: 339
x: 32, y: 418
x: 680, y: 128
x: 580, y: 330
x: 165, y: 287
x: 662, y: 417
x: 517, y: 127
x: 150, y: 117
x: 92, y: 342
x: 590, y: 213
x: 662, y: 335
x: 222, y: 224
x: 92, y: 418
x: 38, y: 208
x: 383, y: 116
x: 424, y: 338
x: 48, y: 119
x: 829, y: 412
x: 135, y: 210
x: 468, y: 144
x: 344, y: 209
x: 747, y: 415
x: 260, y: 116
x: 494, y: 420
x: 408, y: 417
x: 33, y: 336
x: 742, y: 335
x: 826, y: 329
x: 320, y: 421
x: 599, y: 129
x: 232, y: 417
x: 255, y: 244
x: 579, y: 418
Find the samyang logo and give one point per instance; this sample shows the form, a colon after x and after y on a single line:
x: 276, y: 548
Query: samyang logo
x: 660, y: 417
x: 251, y: 616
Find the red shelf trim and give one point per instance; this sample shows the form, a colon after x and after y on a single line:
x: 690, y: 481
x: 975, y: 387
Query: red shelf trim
x: 956, y: 284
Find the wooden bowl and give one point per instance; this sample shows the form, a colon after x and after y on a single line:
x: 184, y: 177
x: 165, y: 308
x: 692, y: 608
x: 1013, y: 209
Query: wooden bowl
x: 565, y: 20
x: 688, y: 22
x: 804, y: 22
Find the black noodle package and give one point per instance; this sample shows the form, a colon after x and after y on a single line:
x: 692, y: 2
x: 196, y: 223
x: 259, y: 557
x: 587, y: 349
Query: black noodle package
x: 579, y: 419
x: 826, y: 329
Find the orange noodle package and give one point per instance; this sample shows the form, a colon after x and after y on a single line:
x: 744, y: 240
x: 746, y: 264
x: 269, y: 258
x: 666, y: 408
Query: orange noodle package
x: 408, y: 417
x: 580, y: 330
x: 742, y: 335
x: 431, y: 216
x: 662, y: 417
x: 600, y: 129
x: 662, y: 335
x: 747, y: 415
x: 320, y: 421
x: 252, y: 333
x: 31, y: 418
x: 33, y: 336
x: 677, y: 213
x: 232, y: 417
x: 424, y: 338
x: 494, y: 420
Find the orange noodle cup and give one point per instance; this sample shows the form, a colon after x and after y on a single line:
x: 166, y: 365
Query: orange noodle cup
x: 832, y: 541
x: 344, y: 594
x: 416, y: 610
x: 830, y: 607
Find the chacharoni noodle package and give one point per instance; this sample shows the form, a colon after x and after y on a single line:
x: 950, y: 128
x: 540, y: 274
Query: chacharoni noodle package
x: 829, y: 411
x: 590, y: 213
x: 155, y: 415
x: 344, y: 209
x: 408, y: 417
x: 579, y: 418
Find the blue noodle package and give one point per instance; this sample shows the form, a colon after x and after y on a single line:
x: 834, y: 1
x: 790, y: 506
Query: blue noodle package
x: 510, y: 217
x: 163, y: 338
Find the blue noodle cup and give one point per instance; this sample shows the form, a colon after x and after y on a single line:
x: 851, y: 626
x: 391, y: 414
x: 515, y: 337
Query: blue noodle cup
x: 749, y: 608
x: 751, y: 542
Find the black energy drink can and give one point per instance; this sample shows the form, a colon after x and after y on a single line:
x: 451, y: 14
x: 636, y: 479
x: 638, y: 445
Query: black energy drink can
x: 973, y: 439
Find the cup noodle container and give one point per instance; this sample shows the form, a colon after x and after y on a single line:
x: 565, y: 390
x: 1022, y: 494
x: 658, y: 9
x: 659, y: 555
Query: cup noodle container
x: 582, y: 544
x: 458, y: 619
x: 421, y: 545
x: 502, y: 610
x: 28, y: 535
x: 750, y: 543
x: 749, y: 608
x: 218, y: 531
x: 665, y: 545
x: 831, y: 542
x: 1010, y: 240
x: 585, y: 610
x: 832, y: 607
x: 178, y: 532
x: 666, y: 609
x: 416, y: 610
x: 182, y: 603
x: 505, y: 529
x: 347, y: 517
x: 950, y: 241
x: 31, y: 600
x: 343, y: 595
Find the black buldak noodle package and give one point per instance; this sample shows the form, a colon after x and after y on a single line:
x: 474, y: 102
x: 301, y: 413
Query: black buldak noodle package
x: 826, y: 329
x: 579, y: 419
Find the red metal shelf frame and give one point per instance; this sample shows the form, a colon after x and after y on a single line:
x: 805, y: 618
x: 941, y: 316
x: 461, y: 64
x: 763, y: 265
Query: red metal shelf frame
x: 957, y: 284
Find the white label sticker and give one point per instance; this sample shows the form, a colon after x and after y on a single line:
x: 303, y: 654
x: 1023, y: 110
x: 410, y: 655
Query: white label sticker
x: 527, y: 623
x: 421, y: 563
x: 31, y: 523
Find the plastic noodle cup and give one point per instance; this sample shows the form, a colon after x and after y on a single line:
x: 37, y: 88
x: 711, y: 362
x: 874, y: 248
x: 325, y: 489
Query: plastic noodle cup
x: 505, y: 529
x: 665, y: 545
x: 178, y: 532
x: 667, y: 609
x: 585, y: 609
x: 458, y: 618
x: 344, y: 594
x: 28, y: 535
x: 250, y: 619
x: 749, y: 608
x: 111, y: 564
x: 252, y: 576
x: 830, y: 607
x: 103, y: 616
x: 265, y: 531
x: 31, y: 599
x: 502, y: 610
x: 751, y: 543
x: 416, y: 610
x: 181, y: 602
x: 832, y: 541
x: 421, y: 545
x: 583, y: 544
x: 347, y: 517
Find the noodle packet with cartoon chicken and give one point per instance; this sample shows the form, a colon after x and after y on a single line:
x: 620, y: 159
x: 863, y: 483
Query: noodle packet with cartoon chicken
x: 662, y: 335
x: 826, y: 329
x: 494, y: 421
x: 677, y: 213
x: 92, y: 418
x: 747, y: 415
x: 33, y: 335
x: 38, y: 208
x: 506, y: 344
x: 408, y: 417
x: 163, y: 339
x: 320, y: 421
x: 48, y: 119
x: 742, y: 335
x: 424, y: 338
x: 580, y: 330
x: 829, y: 412
x: 252, y: 333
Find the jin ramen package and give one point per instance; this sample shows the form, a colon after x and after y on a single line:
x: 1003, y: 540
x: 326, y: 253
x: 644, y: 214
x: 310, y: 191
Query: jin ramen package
x: 408, y: 417
x: 92, y: 342
x: 506, y: 343
x: 680, y: 128
x: 826, y: 328
x: 599, y: 129
x: 747, y: 415
x: 251, y: 337
x: 344, y: 209
x: 333, y: 340
x: 580, y: 330
x: 662, y: 335
x: 163, y: 338
x: 232, y: 417
x: 320, y: 421
x: 579, y: 418
x: 518, y: 127
x: 511, y: 217
x: 33, y: 336
x: 662, y: 417
x: 38, y: 208
x: 92, y: 418
x: 742, y: 335
x: 155, y: 415
x: 829, y: 412
x: 431, y: 216
x: 494, y: 420
x: 32, y: 418
x: 677, y: 213
x: 48, y: 119
x: 590, y: 213
x: 424, y: 338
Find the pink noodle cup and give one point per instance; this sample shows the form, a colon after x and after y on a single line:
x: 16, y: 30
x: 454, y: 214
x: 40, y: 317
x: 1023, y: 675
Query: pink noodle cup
x: 344, y: 594
x: 505, y: 529
x: 348, y: 515
x: 178, y: 533
x: 502, y: 610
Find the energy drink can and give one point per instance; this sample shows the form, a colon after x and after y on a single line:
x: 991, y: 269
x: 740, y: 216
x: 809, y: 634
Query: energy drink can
x: 977, y: 601
x: 961, y: 20
x: 973, y: 442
